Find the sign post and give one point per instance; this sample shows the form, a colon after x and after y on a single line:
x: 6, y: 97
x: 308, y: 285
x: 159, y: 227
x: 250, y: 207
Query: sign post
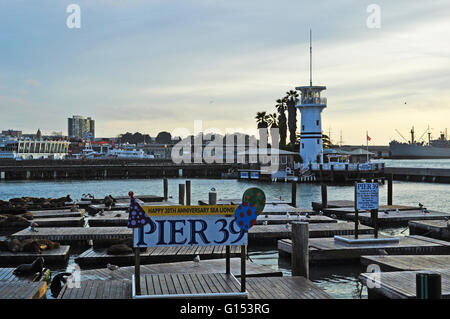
x: 367, y: 198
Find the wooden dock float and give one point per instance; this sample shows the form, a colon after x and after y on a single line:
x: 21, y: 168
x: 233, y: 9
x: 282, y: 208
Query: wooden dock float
x: 274, y: 232
x: 204, y: 266
x: 438, y: 229
x: 154, y: 255
x: 401, y: 284
x: 327, y: 249
x: 257, y: 288
x: 98, y: 289
x: 47, y: 222
x: 284, y: 288
x: 74, y: 234
x: 398, y: 219
x: 408, y: 263
x: 61, y: 213
x: 116, y: 218
x: 22, y: 290
x: 55, y: 256
x: 283, y: 219
x: 333, y: 204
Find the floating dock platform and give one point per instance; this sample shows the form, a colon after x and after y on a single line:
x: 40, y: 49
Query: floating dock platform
x: 204, y: 266
x: 438, y: 229
x: 400, y: 284
x: 257, y: 288
x: 154, y: 255
x: 274, y: 232
x: 23, y: 290
x: 407, y: 263
x: 327, y: 249
x: 55, y: 256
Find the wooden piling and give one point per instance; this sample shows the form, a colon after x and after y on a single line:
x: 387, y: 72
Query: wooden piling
x: 181, y: 193
x: 374, y: 220
x: 212, y: 198
x: 166, y: 188
x: 294, y: 194
x: 300, y: 249
x: 323, y: 188
x: 188, y: 192
x: 389, y: 189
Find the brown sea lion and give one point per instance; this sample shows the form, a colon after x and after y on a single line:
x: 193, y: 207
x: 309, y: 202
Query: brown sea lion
x: 119, y: 249
x: 30, y: 269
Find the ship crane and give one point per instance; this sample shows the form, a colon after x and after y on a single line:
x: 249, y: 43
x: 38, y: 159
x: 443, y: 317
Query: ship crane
x: 401, y: 135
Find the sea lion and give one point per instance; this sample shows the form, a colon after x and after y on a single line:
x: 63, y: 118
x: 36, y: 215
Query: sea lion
x: 57, y: 281
x: 30, y: 269
x: 28, y: 215
x: 15, y: 245
x: 30, y: 245
x: 119, y: 249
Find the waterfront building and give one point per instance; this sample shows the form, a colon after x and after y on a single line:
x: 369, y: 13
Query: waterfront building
x: 15, y: 148
x: 79, y: 126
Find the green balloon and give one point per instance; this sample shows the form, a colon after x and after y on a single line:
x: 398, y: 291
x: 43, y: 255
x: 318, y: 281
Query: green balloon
x: 255, y: 197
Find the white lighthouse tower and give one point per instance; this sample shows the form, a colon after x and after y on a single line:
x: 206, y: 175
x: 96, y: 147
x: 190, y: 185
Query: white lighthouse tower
x: 311, y: 104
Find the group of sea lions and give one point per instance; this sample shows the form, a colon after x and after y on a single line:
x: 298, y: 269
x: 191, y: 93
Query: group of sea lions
x: 28, y: 245
x: 22, y: 204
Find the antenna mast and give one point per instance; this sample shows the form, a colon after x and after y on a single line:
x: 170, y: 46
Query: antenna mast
x: 310, y: 57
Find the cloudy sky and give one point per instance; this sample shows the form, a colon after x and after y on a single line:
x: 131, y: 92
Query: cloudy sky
x: 161, y: 64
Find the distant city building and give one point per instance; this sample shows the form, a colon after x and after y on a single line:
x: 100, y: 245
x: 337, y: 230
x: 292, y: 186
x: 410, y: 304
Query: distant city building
x: 79, y: 126
x: 12, y: 133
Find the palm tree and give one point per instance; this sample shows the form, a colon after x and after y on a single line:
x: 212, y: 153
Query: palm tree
x: 263, y: 122
x: 291, y: 101
x: 282, y: 125
x: 262, y: 119
x: 272, y: 120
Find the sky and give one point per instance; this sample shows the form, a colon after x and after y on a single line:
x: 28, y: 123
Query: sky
x: 157, y: 65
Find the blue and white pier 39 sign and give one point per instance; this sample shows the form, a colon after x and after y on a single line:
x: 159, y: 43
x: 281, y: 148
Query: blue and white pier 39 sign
x: 208, y: 225
x: 367, y: 196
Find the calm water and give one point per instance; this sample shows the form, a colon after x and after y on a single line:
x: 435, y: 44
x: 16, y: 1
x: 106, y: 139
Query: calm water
x: 341, y: 281
x: 422, y: 163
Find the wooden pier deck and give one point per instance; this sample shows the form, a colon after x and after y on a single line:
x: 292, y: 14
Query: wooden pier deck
x: 204, y: 266
x: 73, y: 234
x: 54, y: 256
x: 438, y: 229
x: 408, y: 263
x: 275, y: 232
x: 60, y: 213
x: 155, y: 255
x: 400, y: 218
x: 257, y: 288
x: 23, y: 290
x: 176, y: 285
x: 402, y: 284
x: 47, y: 222
x: 327, y: 249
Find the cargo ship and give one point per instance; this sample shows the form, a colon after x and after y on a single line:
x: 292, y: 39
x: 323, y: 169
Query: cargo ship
x: 437, y: 148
